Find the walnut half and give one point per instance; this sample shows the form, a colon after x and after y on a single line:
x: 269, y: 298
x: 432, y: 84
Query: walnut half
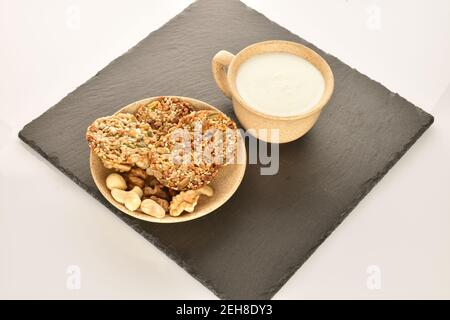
x: 184, y: 201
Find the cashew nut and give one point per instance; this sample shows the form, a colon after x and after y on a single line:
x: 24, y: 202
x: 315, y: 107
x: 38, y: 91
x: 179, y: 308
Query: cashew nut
x: 116, y: 181
x: 131, y: 199
x: 138, y: 191
x: 206, y: 190
x: 150, y: 207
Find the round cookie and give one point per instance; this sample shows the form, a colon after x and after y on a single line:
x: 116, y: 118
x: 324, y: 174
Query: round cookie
x: 191, y: 153
x: 163, y: 114
x: 121, y: 141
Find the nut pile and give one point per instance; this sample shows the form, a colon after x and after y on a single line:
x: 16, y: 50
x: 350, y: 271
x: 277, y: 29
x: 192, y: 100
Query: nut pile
x: 146, y: 194
x: 156, y: 172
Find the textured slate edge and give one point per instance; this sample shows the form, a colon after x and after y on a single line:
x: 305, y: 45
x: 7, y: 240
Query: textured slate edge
x: 134, y: 222
x: 369, y: 185
x: 130, y: 221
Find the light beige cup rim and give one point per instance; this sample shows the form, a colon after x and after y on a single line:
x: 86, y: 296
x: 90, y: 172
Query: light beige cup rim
x: 328, y: 77
x: 186, y: 216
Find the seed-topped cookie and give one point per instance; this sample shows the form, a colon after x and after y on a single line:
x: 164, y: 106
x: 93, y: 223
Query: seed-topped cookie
x: 192, y: 152
x: 121, y: 141
x: 163, y: 114
x: 218, y: 136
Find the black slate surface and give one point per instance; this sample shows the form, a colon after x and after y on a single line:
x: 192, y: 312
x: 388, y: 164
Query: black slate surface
x: 252, y: 245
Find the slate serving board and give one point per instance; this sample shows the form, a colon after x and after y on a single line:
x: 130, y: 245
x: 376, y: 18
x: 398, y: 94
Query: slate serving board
x: 253, y: 244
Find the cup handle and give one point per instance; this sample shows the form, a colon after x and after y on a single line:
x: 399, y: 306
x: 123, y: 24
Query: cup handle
x: 222, y: 60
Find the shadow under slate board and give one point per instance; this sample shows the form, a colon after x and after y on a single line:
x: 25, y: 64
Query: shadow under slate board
x: 252, y: 245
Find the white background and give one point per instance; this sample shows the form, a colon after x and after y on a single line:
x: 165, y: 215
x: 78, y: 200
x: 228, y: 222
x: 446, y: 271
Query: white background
x: 47, y: 223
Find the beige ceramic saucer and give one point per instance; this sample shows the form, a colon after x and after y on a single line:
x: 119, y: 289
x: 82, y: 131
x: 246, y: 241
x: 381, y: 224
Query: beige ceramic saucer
x: 224, y: 184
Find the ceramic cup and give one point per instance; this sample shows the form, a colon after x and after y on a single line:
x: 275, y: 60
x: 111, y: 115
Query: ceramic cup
x: 225, y: 66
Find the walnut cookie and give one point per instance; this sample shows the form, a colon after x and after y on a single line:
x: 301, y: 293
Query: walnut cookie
x: 163, y: 114
x: 193, y: 151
